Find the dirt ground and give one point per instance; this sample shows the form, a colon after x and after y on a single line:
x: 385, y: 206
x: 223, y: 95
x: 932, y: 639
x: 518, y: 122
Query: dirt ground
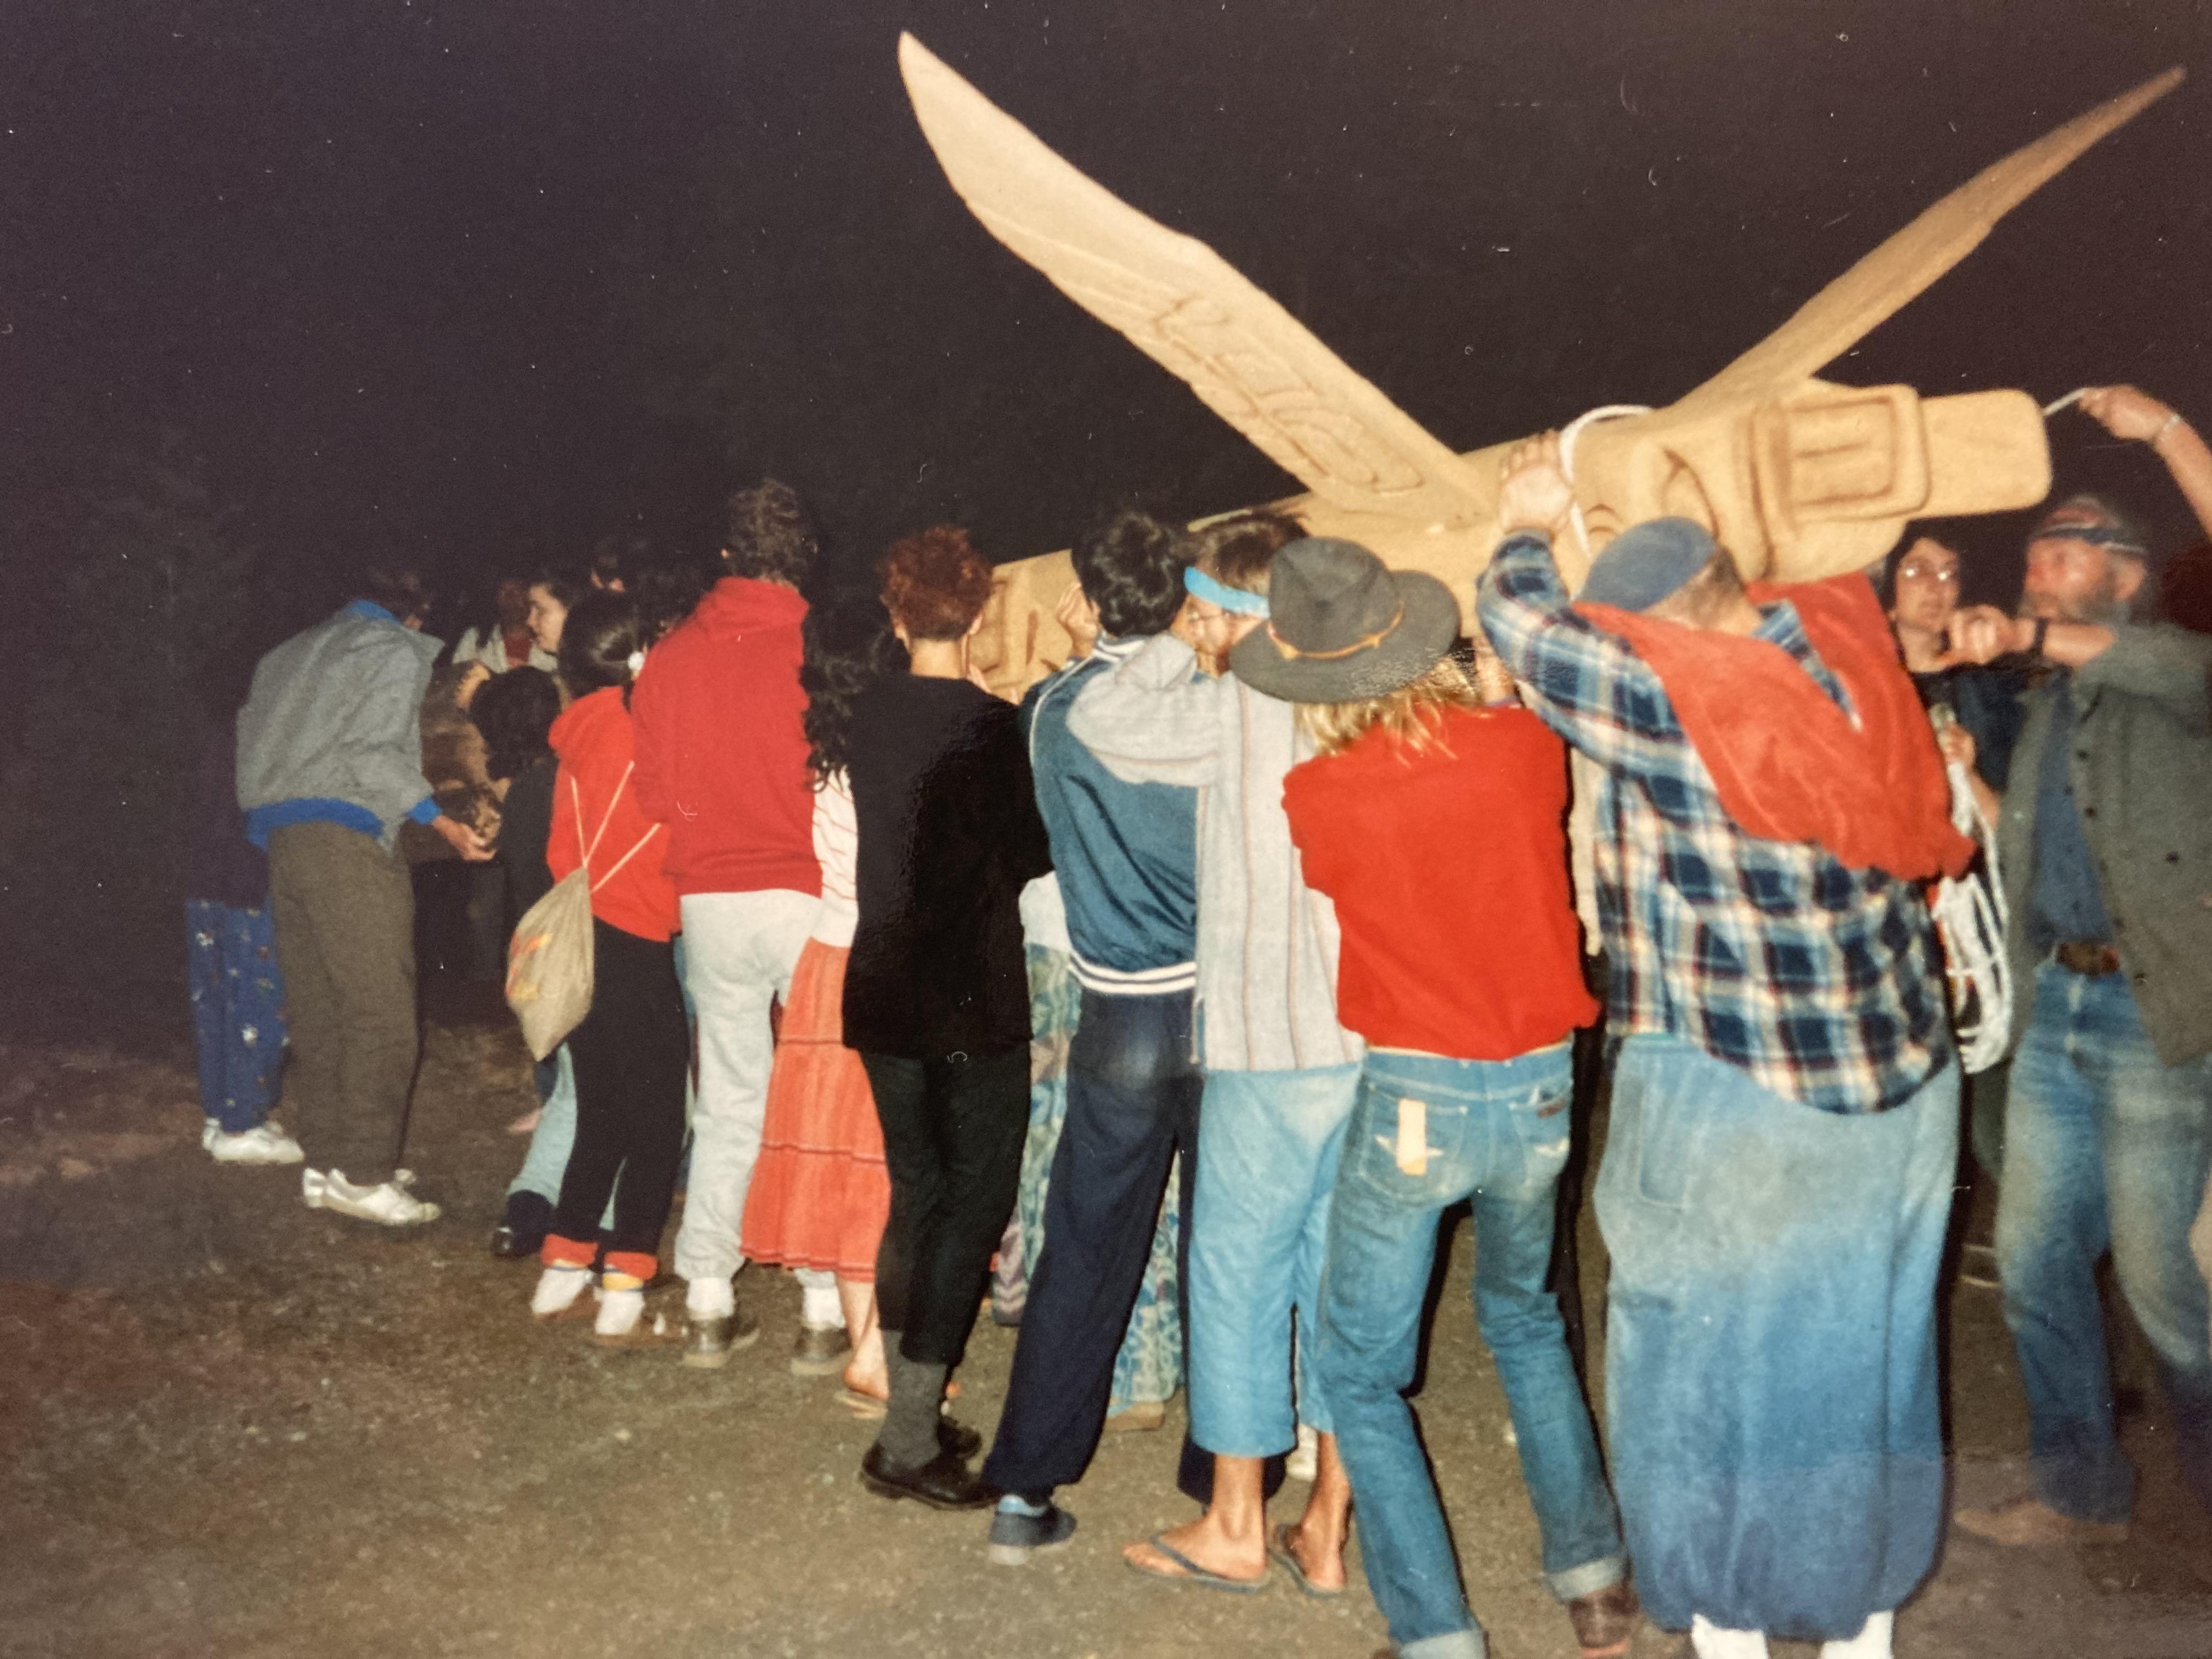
x: 230, y: 1425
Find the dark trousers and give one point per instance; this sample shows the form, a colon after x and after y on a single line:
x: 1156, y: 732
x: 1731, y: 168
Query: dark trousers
x: 952, y: 1142
x: 1133, y: 1095
x: 345, y: 939
x: 630, y: 1055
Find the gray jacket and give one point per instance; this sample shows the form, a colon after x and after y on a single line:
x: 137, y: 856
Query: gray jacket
x: 2142, y: 771
x: 335, y: 714
x: 1266, y: 942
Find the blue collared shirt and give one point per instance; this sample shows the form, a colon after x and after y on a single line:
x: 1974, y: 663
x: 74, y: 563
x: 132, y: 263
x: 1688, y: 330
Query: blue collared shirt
x: 2068, y: 902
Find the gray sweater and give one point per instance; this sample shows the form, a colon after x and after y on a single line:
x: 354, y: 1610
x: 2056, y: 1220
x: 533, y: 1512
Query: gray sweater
x: 2142, y: 771
x: 1266, y: 942
x: 335, y: 716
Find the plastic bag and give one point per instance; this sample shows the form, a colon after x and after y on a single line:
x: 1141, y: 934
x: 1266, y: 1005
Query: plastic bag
x: 549, y: 964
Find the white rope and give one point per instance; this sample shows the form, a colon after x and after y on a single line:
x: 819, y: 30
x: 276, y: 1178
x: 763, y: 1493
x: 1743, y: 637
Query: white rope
x: 1970, y: 916
x: 1568, y: 434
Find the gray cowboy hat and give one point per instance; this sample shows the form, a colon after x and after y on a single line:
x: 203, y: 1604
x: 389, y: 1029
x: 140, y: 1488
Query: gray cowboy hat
x: 1342, y: 627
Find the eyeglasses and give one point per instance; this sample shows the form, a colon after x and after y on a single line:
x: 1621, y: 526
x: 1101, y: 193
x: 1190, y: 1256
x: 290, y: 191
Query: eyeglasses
x: 1913, y: 570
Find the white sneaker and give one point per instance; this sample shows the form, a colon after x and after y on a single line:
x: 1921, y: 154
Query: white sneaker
x: 209, y: 1128
x: 390, y: 1205
x: 265, y: 1143
x: 559, y: 1287
x: 618, y: 1314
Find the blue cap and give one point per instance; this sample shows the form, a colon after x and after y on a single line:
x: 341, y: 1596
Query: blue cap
x: 1646, y: 562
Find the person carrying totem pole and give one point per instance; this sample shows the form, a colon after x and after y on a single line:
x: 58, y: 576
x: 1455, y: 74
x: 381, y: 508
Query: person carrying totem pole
x: 1784, y: 1120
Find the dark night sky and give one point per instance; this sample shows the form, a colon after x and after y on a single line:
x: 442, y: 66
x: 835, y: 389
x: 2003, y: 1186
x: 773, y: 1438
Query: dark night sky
x: 440, y: 277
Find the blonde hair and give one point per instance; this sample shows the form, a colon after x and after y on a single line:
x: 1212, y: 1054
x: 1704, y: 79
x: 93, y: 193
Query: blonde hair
x: 1412, y: 715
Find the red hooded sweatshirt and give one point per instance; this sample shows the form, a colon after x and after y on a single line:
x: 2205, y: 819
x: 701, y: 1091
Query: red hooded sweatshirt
x: 721, y: 758
x: 592, y: 739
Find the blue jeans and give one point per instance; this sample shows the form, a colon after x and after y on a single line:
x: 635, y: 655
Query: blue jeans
x: 1267, y: 1145
x: 2105, y: 1148
x: 1496, y: 1131
x: 1770, y: 1383
x: 237, y: 1011
x: 1132, y: 1098
x: 547, y: 1160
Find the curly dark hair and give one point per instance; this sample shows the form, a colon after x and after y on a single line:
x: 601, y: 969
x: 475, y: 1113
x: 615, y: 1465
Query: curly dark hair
x: 1235, y: 551
x: 935, y: 584
x: 849, y: 646
x: 1131, y: 567
x: 514, y: 711
x: 770, y: 535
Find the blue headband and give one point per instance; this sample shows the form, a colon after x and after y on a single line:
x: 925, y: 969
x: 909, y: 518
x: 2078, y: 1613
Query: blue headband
x: 2096, y: 535
x: 1201, y: 586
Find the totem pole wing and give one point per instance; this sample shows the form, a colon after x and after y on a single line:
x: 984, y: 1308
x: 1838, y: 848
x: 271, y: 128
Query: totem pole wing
x: 1894, y: 274
x: 1249, y: 360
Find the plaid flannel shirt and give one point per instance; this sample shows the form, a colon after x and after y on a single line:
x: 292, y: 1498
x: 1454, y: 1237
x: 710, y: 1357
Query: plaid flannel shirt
x: 1822, y: 983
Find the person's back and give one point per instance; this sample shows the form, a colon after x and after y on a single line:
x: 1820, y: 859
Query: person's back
x: 1126, y: 853
x: 937, y: 963
x: 722, y: 760
x: 1448, y: 866
x: 334, y: 718
x: 721, y: 757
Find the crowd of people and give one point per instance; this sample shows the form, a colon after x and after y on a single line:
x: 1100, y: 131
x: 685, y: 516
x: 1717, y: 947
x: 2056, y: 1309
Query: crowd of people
x: 1197, y: 988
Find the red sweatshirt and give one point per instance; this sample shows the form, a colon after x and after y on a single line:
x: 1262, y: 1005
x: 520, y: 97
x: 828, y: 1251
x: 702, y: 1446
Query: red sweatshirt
x: 592, y: 739
x: 1449, y: 870
x: 721, y: 758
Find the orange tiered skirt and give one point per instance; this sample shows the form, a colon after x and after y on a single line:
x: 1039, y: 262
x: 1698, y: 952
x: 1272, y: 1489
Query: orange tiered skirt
x: 820, y: 1193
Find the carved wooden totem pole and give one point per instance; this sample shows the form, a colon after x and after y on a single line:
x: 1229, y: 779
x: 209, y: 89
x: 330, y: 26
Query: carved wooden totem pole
x: 1798, y: 476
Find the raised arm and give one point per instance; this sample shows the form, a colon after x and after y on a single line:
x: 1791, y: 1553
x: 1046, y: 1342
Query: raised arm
x: 1585, y: 684
x: 2137, y: 417
x: 1153, y: 718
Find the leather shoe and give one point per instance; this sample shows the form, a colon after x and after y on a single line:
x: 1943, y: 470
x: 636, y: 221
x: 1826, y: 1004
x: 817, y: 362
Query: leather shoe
x: 943, y: 1483
x: 822, y: 1351
x: 523, y: 1228
x: 709, y: 1342
x: 1605, y: 1621
x: 2027, y: 1521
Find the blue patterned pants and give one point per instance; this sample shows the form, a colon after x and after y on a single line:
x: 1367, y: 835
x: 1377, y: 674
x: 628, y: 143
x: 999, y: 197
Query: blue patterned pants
x: 237, y: 1011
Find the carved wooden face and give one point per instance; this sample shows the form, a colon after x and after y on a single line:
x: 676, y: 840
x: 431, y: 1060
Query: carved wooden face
x: 1818, y: 483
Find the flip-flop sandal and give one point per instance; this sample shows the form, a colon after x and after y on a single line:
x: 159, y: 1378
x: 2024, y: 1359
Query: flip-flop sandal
x: 1192, y: 1573
x: 864, y: 1406
x: 873, y: 1407
x: 1279, y: 1549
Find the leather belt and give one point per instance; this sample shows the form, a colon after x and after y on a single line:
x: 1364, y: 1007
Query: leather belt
x: 2091, y: 956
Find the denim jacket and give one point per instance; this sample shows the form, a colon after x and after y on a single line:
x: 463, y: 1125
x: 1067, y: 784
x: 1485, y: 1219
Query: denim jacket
x: 2142, y: 771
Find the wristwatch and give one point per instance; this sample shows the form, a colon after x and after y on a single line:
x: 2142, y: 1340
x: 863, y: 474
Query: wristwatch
x: 2042, y: 632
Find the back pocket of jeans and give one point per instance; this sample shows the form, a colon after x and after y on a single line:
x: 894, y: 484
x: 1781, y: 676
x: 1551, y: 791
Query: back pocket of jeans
x: 1667, y: 1131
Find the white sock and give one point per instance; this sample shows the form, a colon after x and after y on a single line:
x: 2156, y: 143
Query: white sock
x: 1711, y: 1642
x: 1871, y: 1643
x: 559, y: 1289
x: 819, y: 1304
x: 710, y: 1298
x: 618, y: 1312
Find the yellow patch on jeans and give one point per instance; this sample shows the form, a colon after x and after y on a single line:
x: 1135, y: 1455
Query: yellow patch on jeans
x: 1413, y: 1137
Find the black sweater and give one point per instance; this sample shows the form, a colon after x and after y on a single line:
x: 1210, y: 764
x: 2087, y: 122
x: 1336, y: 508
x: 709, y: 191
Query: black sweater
x: 525, y: 826
x: 949, y: 834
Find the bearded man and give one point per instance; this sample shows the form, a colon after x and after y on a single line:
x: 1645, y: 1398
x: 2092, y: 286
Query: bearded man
x: 2108, y: 871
